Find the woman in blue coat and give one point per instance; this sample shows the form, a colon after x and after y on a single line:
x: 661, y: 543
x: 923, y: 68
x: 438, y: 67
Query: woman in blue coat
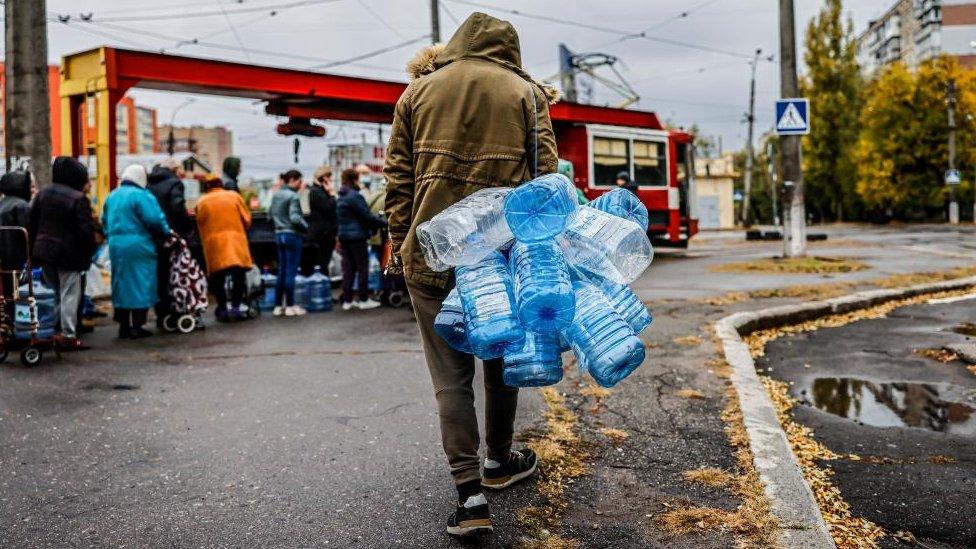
x: 133, y: 222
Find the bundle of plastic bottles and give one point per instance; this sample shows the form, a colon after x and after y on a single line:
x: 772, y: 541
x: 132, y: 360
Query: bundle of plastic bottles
x: 538, y: 274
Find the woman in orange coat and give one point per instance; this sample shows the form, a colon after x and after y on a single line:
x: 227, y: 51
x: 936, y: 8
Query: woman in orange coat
x: 223, y: 219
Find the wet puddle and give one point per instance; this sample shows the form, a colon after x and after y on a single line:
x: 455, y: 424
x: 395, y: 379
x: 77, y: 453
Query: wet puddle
x: 932, y: 406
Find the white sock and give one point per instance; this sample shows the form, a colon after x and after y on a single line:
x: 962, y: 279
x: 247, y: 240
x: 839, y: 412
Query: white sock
x: 475, y: 501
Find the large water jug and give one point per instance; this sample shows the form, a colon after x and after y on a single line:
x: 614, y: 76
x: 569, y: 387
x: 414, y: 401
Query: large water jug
x: 543, y: 289
x: 450, y: 325
x: 44, y: 299
x: 301, y: 291
x: 605, y: 245
x: 604, y: 344
x: 467, y: 231
x: 375, y: 283
x: 622, y: 203
x: 268, y: 281
x: 489, y: 306
x: 537, y: 364
x: 627, y: 304
x: 319, y: 292
x: 539, y: 209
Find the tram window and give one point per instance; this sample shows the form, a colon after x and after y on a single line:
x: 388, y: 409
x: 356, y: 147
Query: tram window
x: 650, y: 163
x: 610, y: 157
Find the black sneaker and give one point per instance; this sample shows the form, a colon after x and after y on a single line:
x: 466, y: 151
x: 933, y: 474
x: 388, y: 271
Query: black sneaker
x: 470, y: 519
x: 521, y: 465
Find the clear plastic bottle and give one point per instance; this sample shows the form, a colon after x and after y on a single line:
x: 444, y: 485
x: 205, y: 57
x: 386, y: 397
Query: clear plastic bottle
x: 489, y: 306
x: 537, y: 364
x: 605, y: 245
x: 301, y: 291
x: 623, y: 203
x: 539, y: 209
x: 450, y: 325
x: 543, y: 289
x: 374, y: 272
x: 268, y: 281
x: 44, y: 301
x: 467, y: 231
x: 604, y: 344
x: 627, y: 304
x: 319, y: 292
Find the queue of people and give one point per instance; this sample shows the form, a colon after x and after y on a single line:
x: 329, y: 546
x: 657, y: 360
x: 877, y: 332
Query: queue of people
x: 147, y: 212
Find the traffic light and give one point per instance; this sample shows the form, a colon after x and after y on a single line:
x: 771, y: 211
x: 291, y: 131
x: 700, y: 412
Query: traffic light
x: 301, y: 126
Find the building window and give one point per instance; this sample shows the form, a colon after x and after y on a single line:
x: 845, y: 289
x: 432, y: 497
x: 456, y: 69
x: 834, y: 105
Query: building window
x: 610, y: 157
x: 650, y: 163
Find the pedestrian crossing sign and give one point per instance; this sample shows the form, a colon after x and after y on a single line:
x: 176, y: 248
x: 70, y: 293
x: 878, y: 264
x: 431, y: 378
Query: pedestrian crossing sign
x: 793, y: 116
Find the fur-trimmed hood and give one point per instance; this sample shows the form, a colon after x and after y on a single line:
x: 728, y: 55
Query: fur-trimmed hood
x: 480, y: 36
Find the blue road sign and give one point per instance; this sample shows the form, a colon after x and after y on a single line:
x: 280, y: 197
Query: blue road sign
x: 793, y: 116
x: 952, y: 177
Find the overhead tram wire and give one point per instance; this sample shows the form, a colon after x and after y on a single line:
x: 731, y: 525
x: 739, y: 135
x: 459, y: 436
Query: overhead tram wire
x: 608, y: 30
x: 373, y: 53
x: 233, y: 29
x: 169, y: 7
x: 382, y: 21
x: 191, y: 15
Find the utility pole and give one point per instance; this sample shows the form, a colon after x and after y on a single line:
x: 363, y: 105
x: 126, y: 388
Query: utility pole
x: 951, y: 104
x: 794, y: 211
x: 435, y: 22
x: 28, y: 111
x: 746, y: 217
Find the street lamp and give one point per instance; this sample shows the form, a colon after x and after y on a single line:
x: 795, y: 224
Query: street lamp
x: 171, y: 140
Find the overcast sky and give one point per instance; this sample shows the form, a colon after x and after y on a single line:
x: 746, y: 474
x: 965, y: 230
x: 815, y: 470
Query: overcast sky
x: 683, y: 84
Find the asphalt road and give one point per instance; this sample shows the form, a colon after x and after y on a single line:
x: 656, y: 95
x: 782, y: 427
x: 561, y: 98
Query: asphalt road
x: 322, y: 431
x: 911, y: 419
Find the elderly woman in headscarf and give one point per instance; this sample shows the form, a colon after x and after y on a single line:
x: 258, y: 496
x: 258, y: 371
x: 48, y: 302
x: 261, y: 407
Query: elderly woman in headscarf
x: 223, y: 220
x: 133, y: 223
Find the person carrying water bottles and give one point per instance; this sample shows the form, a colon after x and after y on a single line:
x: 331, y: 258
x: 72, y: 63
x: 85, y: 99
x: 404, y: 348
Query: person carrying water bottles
x: 470, y: 118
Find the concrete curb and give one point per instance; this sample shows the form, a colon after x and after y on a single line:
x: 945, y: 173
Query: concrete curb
x: 791, y: 498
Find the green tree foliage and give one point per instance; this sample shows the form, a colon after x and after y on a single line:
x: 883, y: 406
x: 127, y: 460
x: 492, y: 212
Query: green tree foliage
x: 903, y: 152
x: 833, y: 84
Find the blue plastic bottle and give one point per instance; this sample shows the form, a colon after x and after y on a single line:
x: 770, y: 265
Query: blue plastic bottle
x: 374, y: 272
x: 44, y: 299
x: 537, y: 364
x: 543, y: 290
x: 319, y: 292
x: 489, y: 306
x: 268, y: 280
x: 627, y: 304
x: 449, y: 323
x: 604, y: 344
x: 539, y: 209
x: 301, y: 291
x: 623, y: 203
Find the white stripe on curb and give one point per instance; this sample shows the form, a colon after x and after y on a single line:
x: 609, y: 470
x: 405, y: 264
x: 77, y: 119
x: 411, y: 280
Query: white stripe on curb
x: 791, y: 498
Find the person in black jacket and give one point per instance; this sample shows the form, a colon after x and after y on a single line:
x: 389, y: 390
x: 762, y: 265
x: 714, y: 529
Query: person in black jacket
x: 356, y: 224
x: 63, y: 241
x: 322, y: 218
x: 231, y: 171
x: 15, y: 188
x: 166, y: 184
x: 624, y: 181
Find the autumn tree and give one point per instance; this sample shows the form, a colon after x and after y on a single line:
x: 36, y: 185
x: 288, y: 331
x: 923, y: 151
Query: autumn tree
x: 833, y: 84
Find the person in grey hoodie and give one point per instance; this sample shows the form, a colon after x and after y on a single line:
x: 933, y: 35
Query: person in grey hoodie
x: 290, y: 226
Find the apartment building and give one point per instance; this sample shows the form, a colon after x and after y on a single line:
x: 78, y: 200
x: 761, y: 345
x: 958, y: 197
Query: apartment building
x: 913, y: 31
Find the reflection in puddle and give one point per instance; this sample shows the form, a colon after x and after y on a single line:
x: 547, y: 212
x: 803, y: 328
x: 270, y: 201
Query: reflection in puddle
x: 892, y: 404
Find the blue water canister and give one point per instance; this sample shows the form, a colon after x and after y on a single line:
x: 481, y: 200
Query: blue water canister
x: 623, y: 203
x: 44, y: 299
x: 604, y: 344
x: 537, y: 364
x: 627, y: 304
x: 489, y: 306
x: 374, y: 272
x: 319, y: 292
x: 543, y: 290
x: 539, y: 209
x: 449, y: 323
x: 302, y: 295
x: 268, y: 281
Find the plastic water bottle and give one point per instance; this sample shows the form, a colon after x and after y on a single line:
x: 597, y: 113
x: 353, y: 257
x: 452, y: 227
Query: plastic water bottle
x: 604, y: 344
x: 537, y: 364
x: 605, y: 245
x: 44, y: 300
x: 319, y: 292
x: 467, y: 231
x: 627, y: 304
x: 623, y: 203
x: 543, y: 289
x: 489, y: 306
x: 539, y: 209
x: 268, y: 281
x: 449, y: 323
x: 301, y: 291
x: 374, y: 272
